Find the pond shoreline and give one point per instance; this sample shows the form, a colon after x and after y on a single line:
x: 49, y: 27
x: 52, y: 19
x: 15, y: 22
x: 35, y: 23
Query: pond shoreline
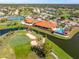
x: 3, y: 31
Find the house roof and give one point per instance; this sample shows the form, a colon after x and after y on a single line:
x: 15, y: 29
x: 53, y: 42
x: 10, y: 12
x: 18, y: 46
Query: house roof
x: 3, y: 19
x: 30, y: 21
x: 46, y: 24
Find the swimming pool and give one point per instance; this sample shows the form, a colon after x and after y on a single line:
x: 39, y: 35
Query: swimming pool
x: 13, y: 17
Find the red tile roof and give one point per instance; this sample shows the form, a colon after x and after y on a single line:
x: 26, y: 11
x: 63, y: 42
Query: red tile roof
x: 46, y: 24
x: 30, y: 21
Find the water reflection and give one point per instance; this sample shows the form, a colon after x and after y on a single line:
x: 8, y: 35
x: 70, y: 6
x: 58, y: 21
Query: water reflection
x: 70, y: 46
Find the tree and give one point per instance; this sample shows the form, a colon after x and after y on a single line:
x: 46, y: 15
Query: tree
x: 26, y: 11
x: 76, y: 13
x: 47, y: 47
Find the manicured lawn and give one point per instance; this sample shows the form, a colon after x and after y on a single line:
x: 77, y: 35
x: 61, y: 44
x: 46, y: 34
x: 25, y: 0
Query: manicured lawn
x: 22, y: 51
x: 20, y: 44
x: 6, y: 25
x: 32, y: 55
x: 19, y: 40
x: 74, y: 31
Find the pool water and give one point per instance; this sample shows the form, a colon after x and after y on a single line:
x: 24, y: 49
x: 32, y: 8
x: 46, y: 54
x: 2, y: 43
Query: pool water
x: 13, y: 17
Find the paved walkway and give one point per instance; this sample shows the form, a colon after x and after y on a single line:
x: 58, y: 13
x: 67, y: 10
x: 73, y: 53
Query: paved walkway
x: 55, y: 56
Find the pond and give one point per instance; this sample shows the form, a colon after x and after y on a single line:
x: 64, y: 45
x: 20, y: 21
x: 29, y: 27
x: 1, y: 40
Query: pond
x: 69, y: 46
x: 4, y: 31
x: 13, y: 17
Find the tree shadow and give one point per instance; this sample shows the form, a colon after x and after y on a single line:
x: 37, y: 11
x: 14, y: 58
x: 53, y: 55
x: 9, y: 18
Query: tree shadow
x: 39, y: 51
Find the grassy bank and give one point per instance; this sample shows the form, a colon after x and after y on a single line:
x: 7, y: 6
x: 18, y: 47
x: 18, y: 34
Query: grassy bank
x: 11, y: 24
x: 58, y: 51
x: 55, y: 49
x: 73, y: 32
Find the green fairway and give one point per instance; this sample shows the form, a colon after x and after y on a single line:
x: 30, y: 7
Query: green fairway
x: 18, y: 40
x: 20, y: 44
x: 22, y: 51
